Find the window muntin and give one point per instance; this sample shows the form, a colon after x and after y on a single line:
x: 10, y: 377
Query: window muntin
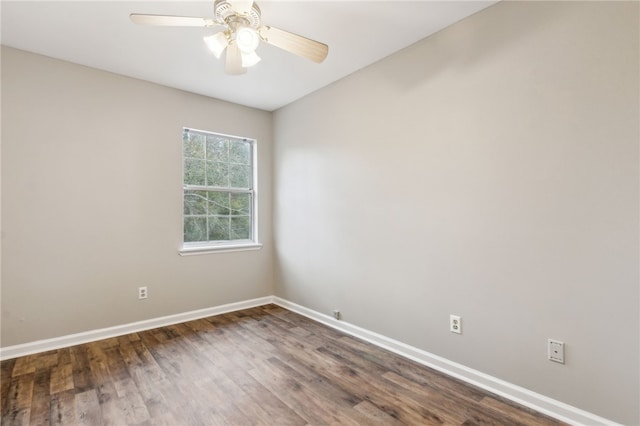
x: 219, y: 190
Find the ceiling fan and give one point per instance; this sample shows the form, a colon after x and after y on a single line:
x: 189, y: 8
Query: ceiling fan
x: 241, y: 33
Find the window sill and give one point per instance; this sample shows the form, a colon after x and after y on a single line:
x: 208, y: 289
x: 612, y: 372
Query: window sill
x: 222, y: 248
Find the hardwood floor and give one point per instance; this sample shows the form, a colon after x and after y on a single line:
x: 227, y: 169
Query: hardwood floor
x: 260, y: 366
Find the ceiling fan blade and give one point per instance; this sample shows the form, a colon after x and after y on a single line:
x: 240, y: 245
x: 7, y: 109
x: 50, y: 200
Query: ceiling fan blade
x: 294, y: 43
x: 243, y: 7
x: 171, y: 21
x: 233, y: 63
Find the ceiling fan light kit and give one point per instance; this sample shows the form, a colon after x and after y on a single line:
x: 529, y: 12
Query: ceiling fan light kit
x: 242, y: 34
x: 249, y: 59
x: 247, y: 39
x: 217, y: 43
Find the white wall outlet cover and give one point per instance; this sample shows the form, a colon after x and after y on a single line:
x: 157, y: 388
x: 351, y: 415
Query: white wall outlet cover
x: 455, y: 324
x: 143, y: 293
x: 556, y: 351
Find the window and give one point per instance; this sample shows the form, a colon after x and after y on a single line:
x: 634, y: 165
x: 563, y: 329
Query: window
x: 219, y: 187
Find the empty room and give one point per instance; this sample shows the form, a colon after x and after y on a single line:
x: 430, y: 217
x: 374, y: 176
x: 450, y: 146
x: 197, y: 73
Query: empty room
x: 229, y: 212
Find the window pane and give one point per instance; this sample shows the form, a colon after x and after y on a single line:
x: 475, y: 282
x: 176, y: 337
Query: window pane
x: 218, y: 228
x: 194, y: 172
x: 217, y: 149
x: 240, y: 204
x: 195, y: 203
x: 222, y: 208
x: 240, y: 176
x: 217, y: 174
x: 240, y: 228
x: 195, y: 229
x: 193, y: 145
x: 239, y: 152
x: 219, y: 203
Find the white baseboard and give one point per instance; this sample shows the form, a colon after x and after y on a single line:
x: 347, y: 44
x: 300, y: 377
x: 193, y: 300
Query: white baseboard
x: 119, y: 330
x: 520, y: 395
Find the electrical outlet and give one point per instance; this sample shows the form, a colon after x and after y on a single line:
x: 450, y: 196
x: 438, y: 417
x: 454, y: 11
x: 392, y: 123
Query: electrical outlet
x: 455, y: 324
x: 336, y: 314
x: 555, y: 350
x: 142, y: 293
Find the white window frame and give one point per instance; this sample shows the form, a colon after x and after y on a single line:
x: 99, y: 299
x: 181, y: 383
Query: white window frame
x: 190, y: 248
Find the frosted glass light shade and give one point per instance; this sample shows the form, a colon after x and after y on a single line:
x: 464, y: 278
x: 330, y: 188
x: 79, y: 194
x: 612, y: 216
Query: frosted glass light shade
x: 217, y: 43
x: 249, y: 59
x: 247, y: 39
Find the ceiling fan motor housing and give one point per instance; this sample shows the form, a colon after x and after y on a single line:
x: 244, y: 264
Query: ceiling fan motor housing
x: 226, y: 15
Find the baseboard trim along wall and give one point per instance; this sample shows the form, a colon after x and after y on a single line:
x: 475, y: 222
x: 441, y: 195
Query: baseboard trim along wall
x: 119, y: 330
x: 520, y: 395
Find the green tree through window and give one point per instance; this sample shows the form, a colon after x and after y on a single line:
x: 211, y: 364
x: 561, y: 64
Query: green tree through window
x: 219, y: 189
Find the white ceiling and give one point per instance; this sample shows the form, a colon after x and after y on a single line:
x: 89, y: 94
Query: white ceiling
x: 99, y: 34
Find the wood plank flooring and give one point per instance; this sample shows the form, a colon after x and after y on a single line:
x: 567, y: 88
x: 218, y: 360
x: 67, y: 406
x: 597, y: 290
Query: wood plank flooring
x: 260, y: 366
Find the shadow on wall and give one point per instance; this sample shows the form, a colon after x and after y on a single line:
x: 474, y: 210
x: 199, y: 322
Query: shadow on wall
x: 471, y: 44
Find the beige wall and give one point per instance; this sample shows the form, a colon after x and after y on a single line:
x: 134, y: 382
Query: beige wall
x: 489, y: 171
x: 91, y: 199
